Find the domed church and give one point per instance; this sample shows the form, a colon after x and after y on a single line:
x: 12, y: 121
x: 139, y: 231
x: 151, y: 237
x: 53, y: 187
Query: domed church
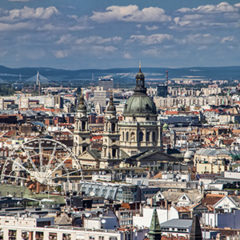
x: 139, y: 131
x: 135, y: 141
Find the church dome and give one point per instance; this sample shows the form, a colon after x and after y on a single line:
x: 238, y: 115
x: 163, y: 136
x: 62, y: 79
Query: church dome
x: 140, y: 103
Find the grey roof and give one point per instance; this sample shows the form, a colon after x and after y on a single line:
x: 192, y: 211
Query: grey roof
x: 95, y: 153
x: 174, y: 196
x: 214, y: 152
x: 177, y: 223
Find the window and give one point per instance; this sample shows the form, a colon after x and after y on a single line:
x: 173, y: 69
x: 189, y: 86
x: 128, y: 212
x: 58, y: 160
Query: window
x: 113, y: 127
x: 114, y: 153
x: 140, y: 136
x: 132, y: 136
x: 83, y: 125
x: 153, y: 136
x: 127, y: 136
x: 147, y: 136
x: 123, y: 136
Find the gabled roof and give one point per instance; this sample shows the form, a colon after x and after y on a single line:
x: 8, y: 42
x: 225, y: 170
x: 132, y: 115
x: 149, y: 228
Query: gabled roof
x: 233, y: 199
x: 211, y: 199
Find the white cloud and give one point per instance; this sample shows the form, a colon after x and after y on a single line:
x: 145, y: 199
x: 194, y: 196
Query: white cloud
x: 60, y: 53
x: 29, y: 13
x: 49, y: 27
x: 97, y: 40
x: 79, y: 28
x: 131, y: 13
x: 107, y: 49
x: 127, y: 55
x: 227, y: 39
x: 15, y: 26
x: 198, y: 39
x: 205, y: 16
x: 151, y: 28
x: 219, y: 8
x: 64, y: 39
x: 151, y: 39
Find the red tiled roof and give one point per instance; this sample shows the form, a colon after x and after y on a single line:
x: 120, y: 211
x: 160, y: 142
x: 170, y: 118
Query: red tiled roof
x: 212, y: 199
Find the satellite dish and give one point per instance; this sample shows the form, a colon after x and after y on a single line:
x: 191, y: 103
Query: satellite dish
x: 103, y: 221
x: 92, y: 194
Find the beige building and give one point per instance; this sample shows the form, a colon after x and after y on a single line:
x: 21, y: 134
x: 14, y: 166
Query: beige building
x: 212, y: 160
x: 168, y: 102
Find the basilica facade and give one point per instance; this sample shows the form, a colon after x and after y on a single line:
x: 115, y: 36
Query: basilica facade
x: 139, y: 133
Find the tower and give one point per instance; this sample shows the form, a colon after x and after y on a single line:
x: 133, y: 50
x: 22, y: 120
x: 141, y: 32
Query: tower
x: 110, y: 148
x: 196, y: 232
x: 38, y: 84
x: 155, y: 229
x: 81, y: 131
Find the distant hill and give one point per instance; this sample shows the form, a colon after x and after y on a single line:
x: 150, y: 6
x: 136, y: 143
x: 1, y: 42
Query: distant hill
x: 123, y: 77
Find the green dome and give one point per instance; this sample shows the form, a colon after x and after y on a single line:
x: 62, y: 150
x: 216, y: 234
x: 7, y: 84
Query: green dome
x: 139, y: 104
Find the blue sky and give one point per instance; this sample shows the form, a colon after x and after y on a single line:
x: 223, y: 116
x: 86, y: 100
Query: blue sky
x: 78, y: 34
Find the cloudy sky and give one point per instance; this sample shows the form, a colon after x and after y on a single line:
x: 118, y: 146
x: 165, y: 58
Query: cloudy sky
x: 77, y: 34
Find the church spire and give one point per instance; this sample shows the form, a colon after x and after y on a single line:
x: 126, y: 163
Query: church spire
x: 155, y: 229
x: 196, y: 232
x: 140, y: 81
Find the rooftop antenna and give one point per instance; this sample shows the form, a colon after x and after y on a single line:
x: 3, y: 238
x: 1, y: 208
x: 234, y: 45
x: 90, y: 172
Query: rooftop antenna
x: 167, y: 77
x: 167, y: 80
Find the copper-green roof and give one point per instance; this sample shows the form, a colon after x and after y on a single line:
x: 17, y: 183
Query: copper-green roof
x: 155, y: 229
x: 139, y: 104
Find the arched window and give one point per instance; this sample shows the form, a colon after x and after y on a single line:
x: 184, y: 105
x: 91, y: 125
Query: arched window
x: 140, y: 136
x: 127, y: 135
x: 114, y: 153
x: 113, y: 127
x: 83, y: 125
x: 153, y: 136
x: 123, y: 136
x: 132, y: 137
x: 147, y: 136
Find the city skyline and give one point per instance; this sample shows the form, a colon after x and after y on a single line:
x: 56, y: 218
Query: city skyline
x: 107, y: 34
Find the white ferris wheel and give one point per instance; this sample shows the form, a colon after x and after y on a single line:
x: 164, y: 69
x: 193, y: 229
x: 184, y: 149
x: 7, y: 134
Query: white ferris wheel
x: 40, y: 160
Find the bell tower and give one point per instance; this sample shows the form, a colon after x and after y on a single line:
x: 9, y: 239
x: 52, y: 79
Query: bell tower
x: 81, y: 130
x: 110, y: 148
